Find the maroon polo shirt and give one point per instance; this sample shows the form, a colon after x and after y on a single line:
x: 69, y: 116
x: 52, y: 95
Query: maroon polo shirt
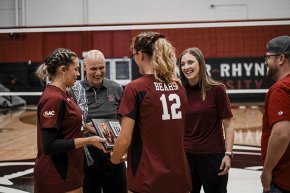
x: 203, y: 130
x: 277, y: 108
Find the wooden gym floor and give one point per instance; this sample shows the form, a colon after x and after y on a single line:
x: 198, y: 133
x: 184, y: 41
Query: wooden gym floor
x: 18, y: 149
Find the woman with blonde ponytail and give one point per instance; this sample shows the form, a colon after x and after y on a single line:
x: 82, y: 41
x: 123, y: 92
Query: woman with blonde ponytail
x: 59, y: 162
x: 153, y: 110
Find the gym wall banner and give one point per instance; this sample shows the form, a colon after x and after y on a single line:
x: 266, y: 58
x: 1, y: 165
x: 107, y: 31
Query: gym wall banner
x: 240, y: 73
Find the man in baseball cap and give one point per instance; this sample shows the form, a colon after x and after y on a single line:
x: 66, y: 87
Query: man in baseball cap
x: 277, y: 48
x: 275, y: 141
x: 279, y: 45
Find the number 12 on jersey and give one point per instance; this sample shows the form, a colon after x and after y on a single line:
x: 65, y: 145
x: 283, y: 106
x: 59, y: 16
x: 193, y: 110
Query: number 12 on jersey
x: 174, y: 112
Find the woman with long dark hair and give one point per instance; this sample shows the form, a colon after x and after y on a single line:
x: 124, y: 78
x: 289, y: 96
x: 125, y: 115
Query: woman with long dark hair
x: 209, y: 153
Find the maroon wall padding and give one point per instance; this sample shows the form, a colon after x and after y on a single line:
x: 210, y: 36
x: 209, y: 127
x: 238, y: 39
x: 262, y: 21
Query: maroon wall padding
x: 221, y: 42
x: 224, y: 41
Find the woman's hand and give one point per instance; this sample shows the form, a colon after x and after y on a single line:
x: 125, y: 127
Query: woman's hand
x: 124, y: 158
x: 98, y: 142
x: 225, y: 165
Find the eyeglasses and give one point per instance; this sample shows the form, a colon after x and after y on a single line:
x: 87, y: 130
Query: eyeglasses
x: 267, y: 56
x: 132, y: 56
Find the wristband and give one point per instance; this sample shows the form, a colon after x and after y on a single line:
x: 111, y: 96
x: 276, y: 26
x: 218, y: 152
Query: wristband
x: 230, y: 154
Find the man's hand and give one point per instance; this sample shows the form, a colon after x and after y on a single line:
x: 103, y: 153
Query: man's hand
x: 89, y: 128
x: 266, y: 179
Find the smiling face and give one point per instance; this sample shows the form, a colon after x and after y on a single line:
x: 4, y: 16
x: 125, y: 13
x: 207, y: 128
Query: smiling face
x: 95, y: 68
x: 72, y: 72
x: 190, y: 68
x: 272, y: 65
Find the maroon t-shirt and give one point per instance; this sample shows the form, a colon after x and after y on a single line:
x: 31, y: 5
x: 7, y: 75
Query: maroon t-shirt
x: 156, y: 158
x: 277, y: 108
x: 204, y: 130
x: 58, y: 172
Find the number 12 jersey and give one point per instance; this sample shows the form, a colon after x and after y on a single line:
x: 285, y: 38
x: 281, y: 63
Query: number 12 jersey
x: 156, y: 158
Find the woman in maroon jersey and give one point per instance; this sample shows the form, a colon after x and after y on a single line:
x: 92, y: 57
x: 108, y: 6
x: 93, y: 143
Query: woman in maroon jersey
x: 58, y: 165
x: 153, y: 110
x: 209, y: 154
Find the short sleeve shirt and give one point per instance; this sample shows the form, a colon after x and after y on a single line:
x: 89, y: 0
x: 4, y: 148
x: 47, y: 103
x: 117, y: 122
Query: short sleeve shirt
x: 156, y: 158
x: 59, y: 172
x: 204, y: 130
x: 277, y: 108
x: 103, y: 103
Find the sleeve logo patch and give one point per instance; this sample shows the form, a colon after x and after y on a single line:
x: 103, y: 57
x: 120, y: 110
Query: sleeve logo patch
x: 280, y: 113
x: 48, y: 113
x: 111, y: 98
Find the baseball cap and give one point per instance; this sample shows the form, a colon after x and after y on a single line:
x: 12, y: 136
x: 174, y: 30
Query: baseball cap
x: 279, y: 45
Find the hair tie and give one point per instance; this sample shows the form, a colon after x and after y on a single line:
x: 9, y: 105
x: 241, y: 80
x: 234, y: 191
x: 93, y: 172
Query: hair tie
x: 156, y: 37
x: 46, y: 62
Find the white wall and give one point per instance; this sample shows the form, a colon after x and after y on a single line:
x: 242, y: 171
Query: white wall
x: 7, y: 13
x: 94, y: 12
x: 54, y: 12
